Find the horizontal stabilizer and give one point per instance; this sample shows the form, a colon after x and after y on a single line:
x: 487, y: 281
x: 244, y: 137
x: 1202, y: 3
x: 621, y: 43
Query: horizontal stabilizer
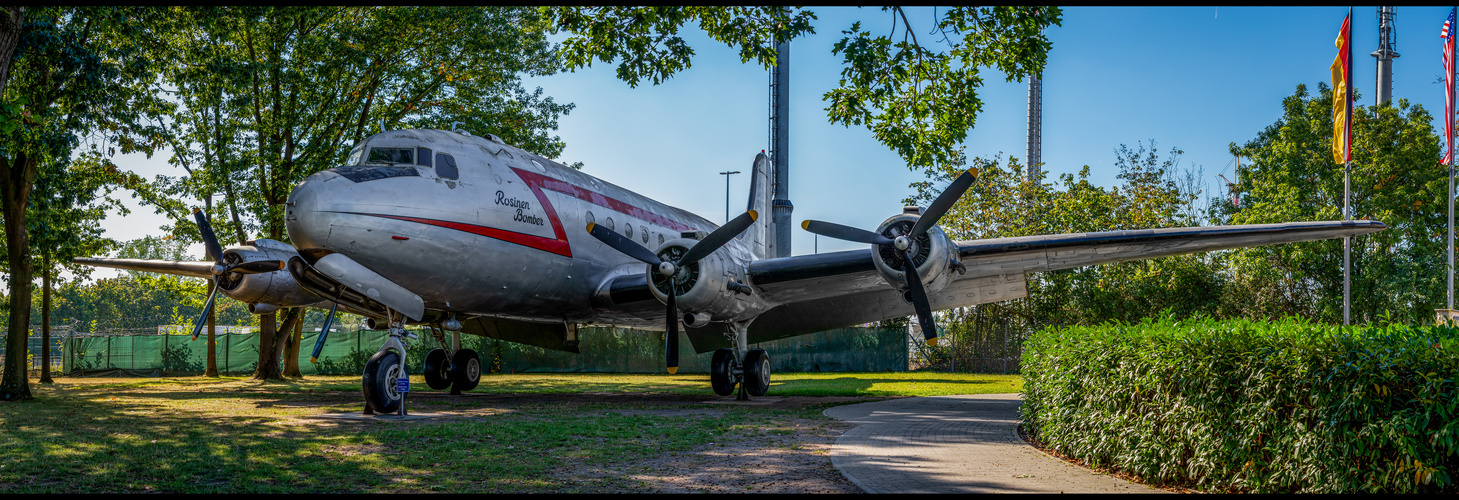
x: 176, y: 267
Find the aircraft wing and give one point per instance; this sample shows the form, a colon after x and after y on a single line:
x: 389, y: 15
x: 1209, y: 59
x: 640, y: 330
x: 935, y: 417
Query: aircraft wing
x: 833, y: 290
x: 182, y: 268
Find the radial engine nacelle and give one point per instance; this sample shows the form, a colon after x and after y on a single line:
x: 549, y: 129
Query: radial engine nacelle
x: 264, y: 292
x: 707, y: 290
x: 932, y: 251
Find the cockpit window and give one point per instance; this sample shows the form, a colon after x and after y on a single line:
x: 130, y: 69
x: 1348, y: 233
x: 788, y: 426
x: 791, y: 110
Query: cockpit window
x: 423, y: 157
x: 391, y: 156
x: 355, y: 154
x: 446, y: 166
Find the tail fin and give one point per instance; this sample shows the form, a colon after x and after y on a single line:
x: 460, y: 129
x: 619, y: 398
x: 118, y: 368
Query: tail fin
x: 758, y: 235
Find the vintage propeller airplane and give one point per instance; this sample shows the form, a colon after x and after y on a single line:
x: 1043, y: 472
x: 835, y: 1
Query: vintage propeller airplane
x: 467, y: 234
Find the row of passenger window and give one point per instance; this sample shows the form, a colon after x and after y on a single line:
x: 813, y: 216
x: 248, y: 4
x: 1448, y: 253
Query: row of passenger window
x: 445, y: 165
x: 627, y: 228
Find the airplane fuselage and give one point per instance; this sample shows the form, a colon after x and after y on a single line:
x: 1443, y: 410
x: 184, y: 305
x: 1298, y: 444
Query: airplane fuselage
x: 503, y: 237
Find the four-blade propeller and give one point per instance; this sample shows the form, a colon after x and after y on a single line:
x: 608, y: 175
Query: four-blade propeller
x: 903, y: 244
x: 222, y: 268
x: 671, y: 268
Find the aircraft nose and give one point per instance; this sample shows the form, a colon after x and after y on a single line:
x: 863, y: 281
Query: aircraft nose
x: 304, y: 210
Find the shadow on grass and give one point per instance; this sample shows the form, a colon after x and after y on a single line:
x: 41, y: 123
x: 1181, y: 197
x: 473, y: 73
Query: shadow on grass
x: 211, y: 436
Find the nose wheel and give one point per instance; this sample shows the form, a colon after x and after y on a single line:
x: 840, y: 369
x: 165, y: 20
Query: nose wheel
x: 381, y: 372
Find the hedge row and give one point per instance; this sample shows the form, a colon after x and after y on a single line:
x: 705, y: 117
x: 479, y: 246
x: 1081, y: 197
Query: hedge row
x: 1288, y: 406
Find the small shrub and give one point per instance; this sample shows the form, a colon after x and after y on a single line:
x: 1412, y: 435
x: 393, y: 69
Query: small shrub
x: 177, y: 360
x: 351, y: 364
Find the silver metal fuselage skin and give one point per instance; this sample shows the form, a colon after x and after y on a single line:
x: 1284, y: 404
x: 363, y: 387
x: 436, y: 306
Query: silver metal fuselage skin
x: 506, y: 238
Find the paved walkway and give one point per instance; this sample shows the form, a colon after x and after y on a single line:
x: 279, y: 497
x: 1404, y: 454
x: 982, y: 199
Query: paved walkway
x: 954, y: 444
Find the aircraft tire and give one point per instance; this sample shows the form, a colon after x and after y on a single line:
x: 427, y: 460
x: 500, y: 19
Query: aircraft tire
x: 721, y: 372
x: 757, y: 372
x: 438, y: 369
x: 465, y: 370
x: 379, y: 382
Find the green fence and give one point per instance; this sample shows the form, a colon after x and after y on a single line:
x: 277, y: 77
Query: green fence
x: 606, y: 350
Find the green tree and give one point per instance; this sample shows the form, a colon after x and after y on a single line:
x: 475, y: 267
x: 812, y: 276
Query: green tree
x: 1004, y: 202
x: 271, y: 95
x: 64, y: 216
x: 76, y: 72
x: 919, y: 98
x: 1290, y: 175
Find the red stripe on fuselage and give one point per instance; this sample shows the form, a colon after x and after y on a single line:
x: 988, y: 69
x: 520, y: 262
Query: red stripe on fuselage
x: 537, y: 182
x: 558, y: 246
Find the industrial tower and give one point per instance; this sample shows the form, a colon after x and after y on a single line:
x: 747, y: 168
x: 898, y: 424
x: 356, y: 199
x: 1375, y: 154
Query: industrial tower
x: 780, y: 206
x: 1035, y: 126
x: 1386, y: 53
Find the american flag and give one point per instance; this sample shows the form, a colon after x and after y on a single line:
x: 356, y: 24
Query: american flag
x: 1448, y: 36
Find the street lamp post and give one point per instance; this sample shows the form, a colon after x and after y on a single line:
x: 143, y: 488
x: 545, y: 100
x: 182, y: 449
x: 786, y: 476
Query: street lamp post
x: 726, y: 192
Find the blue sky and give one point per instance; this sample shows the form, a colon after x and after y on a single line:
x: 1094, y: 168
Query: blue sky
x: 1194, y: 78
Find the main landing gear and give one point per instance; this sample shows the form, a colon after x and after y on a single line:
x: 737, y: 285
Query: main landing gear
x: 749, y: 369
x: 461, y: 371
x: 385, y: 380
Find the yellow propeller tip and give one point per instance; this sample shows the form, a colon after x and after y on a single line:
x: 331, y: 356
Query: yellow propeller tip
x: 805, y: 224
x: 973, y: 170
x: 590, y: 226
x: 673, y: 370
x: 932, y: 341
x: 754, y: 215
x: 196, y: 210
x: 281, y: 265
x: 313, y: 360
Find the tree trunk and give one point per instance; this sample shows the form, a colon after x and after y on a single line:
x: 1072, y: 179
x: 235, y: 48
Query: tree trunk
x: 271, y: 344
x: 291, y: 350
x: 11, y: 23
x: 16, y: 179
x: 268, y: 362
x: 46, y: 318
x: 212, y: 370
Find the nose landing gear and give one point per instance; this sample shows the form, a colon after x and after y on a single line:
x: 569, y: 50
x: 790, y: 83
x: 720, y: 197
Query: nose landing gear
x: 385, y: 381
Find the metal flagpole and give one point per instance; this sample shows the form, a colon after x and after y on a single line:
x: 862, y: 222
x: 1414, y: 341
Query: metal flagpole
x: 1449, y: 143
x: 1347, y: 187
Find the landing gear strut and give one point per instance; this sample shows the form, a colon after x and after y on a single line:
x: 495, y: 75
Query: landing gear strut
x: 457, y: 368
x: 383, y: 372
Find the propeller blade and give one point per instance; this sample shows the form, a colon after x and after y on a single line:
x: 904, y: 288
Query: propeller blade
x: 671, y: 333
x: 623, y: 244
x: 848, y: 233
x: 919, y: 298
x: 207, y: 306
x: 210, y: 241
x: 718, y: 238
x: 255, y: 267
x: 323, y: 333
x: 944, y: 202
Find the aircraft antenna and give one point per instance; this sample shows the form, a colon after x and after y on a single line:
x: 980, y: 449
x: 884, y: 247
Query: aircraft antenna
x: 1386, y: 53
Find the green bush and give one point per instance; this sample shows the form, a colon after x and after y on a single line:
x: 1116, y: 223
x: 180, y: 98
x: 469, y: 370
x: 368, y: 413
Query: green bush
x: 1288, y: 406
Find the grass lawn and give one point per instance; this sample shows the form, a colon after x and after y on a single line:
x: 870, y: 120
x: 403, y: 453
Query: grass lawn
x: 514, y: 433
